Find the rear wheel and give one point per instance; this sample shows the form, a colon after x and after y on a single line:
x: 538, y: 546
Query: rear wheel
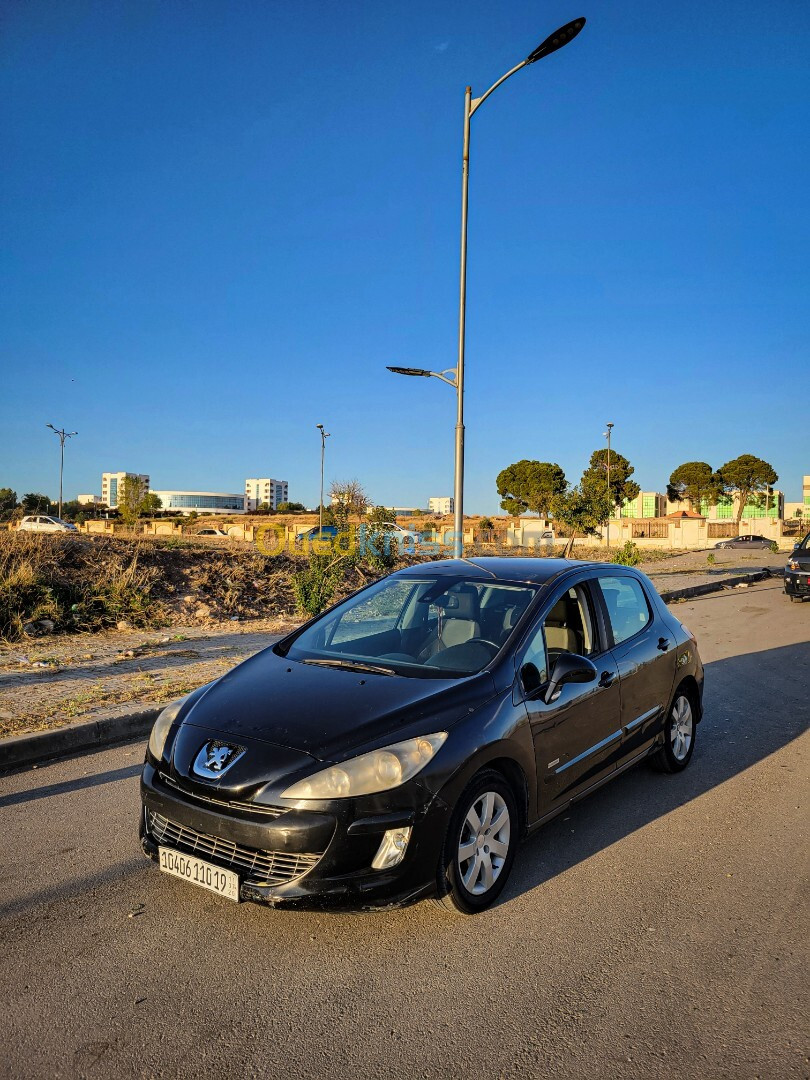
x: 480, y: 846
x: 679, y: 736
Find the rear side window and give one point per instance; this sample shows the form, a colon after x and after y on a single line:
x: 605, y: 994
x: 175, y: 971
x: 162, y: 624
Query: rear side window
x: 627, y: 606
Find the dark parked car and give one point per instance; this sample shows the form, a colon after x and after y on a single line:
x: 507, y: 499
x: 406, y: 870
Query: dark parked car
x: 327, y: 532
x: 797, y: 571
x: 400, y: 745
x: 750, y: 543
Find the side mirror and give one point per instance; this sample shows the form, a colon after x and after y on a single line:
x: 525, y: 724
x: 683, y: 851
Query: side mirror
x: 569, y: 668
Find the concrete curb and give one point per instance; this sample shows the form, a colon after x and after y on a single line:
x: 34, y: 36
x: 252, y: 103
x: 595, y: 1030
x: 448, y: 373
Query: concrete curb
x: 714, y: 586
x: 37, y: 746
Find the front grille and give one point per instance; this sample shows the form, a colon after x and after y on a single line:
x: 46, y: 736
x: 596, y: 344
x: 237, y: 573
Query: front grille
x: 230, y: 804
x: 270, y: 867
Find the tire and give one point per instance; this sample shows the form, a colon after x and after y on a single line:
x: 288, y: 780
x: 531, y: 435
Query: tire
x: 679, y: 735
x: 468, y: 861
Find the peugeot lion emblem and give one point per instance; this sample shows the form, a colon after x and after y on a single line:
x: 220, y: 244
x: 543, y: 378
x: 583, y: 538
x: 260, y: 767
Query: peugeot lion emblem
x: 215, y: 758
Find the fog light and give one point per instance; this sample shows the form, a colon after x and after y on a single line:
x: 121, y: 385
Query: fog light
x: 392, y: 848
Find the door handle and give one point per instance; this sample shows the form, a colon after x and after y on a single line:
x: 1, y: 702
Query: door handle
x: 606, y: 678
x: 663, y: 644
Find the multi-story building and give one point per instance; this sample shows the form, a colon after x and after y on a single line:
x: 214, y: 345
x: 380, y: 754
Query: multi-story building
x: 266, y: 490
x: 647, y: 504
x: 440, y: 504
x: 89, y: 500
x: 204, y: 502
x: 770, y: 504
x: 112, y: 485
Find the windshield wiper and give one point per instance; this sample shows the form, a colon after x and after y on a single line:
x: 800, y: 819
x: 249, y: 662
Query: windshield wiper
x: 353, y: 665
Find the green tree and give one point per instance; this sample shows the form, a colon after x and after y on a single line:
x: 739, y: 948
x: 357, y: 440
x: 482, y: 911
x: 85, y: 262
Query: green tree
x: 152, y: 502
x: 746, y: 477
x: 594, y: 479
x: 72, y: 509
x: 291, y: 508
x: 34, y: 503
x: 530, y: 486
x: 485, y: 524
x: 696, y: 482
x: 132, y: 496
x: 582, y: 512
x: 348, y: 498
x: 8, y: 499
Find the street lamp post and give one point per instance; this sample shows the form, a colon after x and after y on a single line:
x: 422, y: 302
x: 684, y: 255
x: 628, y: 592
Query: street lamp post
x: 551, y: 44
x: 324, y: 436
x: 62, y: 436
x: 610, y: 495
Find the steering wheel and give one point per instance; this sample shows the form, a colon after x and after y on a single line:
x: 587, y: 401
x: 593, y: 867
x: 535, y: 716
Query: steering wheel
x: 484, y: 641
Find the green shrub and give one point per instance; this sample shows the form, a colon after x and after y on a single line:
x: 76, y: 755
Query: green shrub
x: 316, y: 584
x: 78, y: 585
x: 774, y: 547
x: 628, y: 555
x: 710, y: 559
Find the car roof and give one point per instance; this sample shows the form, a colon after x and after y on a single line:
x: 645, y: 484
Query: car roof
x: 493, y: 567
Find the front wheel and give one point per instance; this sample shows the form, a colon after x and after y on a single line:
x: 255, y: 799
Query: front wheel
x: 480, y: 846
x: 679, y: 736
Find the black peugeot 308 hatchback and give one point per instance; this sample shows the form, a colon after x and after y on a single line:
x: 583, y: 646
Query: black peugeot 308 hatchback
x: 399, y: 745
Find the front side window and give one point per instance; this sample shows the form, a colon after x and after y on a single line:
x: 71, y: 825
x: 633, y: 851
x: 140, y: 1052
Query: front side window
x: 567, y: 628
x: 627, y: 607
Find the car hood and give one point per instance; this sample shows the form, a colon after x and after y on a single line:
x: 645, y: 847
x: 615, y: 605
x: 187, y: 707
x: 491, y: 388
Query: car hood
x: 327, y: 713
x: 802, y: 557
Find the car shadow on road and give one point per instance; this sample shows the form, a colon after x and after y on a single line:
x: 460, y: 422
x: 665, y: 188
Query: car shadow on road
x: 742, y: 725
x: 48, y: 790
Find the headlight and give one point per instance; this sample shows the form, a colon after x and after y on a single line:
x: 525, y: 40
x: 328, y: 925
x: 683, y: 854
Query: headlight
x: 378, y: 771
x: 160, y: 731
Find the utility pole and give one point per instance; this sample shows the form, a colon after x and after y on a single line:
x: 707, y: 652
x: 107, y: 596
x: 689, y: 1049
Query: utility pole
x: 324, y: 436
x: 62, y: 436
x: 610, y: 494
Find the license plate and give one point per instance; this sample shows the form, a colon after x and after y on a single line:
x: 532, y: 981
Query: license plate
x: 189, y: 868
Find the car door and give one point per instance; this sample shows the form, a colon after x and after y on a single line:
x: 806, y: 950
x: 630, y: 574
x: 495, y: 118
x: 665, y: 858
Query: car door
x: 644, y: 650
x: 575, y: 735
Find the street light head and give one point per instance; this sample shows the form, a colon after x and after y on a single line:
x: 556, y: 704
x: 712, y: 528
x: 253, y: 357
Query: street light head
x: 411, y: 371
x: 556, y: 40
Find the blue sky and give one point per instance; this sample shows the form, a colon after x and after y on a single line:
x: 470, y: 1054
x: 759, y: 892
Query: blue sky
x: 221, y: 220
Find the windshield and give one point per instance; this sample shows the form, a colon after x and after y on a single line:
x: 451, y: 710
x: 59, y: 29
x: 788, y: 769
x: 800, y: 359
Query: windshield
x: 428, y: 627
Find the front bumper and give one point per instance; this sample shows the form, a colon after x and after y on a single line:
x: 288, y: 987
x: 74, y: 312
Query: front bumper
x: 303, y: 857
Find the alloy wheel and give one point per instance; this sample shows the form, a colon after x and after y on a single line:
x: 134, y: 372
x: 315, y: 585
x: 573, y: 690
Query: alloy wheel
x: 681, y: 728
x: 484, y: 842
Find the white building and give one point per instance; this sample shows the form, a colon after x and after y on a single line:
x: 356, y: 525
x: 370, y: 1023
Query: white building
x: 441, y: 504
x: 89, y: 500
x: 204, y: 502
x: 112, y: 483
x: 267, y: 491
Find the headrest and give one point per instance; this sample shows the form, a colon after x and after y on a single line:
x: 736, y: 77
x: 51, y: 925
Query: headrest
x: 559, y: 613
x: 463, y: 603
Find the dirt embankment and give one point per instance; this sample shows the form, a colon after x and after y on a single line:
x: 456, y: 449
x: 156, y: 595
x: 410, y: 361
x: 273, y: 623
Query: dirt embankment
x: 80, y: 584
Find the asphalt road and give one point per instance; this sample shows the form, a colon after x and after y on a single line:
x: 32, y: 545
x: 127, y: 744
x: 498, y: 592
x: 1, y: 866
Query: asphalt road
x: 658, y: 929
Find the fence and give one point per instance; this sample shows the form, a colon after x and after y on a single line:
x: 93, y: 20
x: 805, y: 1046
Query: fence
x: 645, y: 529
x: 722, y: 529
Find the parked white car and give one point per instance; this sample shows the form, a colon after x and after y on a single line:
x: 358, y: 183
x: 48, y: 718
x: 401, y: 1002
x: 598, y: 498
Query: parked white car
x: 45, y: 523
x: 405, y: 536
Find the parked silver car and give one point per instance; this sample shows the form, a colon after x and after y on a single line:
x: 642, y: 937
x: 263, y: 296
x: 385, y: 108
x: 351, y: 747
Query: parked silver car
x: 45, y: 523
